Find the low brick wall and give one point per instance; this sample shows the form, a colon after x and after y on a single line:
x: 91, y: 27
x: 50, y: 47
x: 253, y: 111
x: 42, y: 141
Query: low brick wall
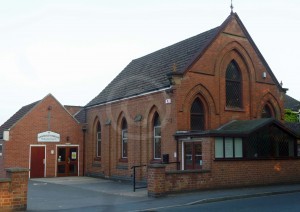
x: 13, y: 190
x: 223, y: 174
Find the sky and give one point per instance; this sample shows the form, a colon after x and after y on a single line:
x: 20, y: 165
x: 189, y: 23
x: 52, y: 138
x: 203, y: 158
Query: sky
x: 74, y: 48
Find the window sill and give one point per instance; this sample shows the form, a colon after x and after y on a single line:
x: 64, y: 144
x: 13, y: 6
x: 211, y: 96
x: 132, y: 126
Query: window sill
x: 97, y: 158
x: 123, y: 160
x: 235, y: 109
x: 155, y: 161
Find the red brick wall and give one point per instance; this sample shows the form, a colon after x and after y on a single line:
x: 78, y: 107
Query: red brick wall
x: 16, y: 151
x: 140, y: 141
x: 224, y: 174
x: 13, y: 190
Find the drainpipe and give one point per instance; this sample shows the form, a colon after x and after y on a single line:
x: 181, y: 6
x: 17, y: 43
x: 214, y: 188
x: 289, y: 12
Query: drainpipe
x: 83, y: 148
x: 177, y: 152
x: 84, y: 129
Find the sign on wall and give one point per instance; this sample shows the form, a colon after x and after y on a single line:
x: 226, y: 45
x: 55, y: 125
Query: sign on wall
x: 48, y: 136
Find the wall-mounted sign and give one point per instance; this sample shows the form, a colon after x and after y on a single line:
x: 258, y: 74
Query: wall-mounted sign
x: 48, y: 136
x: 168, y: 101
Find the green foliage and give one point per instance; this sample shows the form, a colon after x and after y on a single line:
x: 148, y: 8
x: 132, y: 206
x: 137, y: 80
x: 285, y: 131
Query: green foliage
x: 290, y: 116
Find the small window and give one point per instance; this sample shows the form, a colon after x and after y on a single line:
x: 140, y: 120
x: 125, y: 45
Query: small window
x: 267, y: 112
x: 197, y: 115
x: 233, y: 86
x: 157, y: 137
x: 228, y: 147
x: 124, y: 139
x: 1, y: 149
x: 98, y: 142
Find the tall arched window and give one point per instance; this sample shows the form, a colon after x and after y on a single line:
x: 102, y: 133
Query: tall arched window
x: 233, y: 86
x: 267, y: 112
x: 197, y: 115
x: 157, y: 137
x: 98, y: 141
x: 124, y: 139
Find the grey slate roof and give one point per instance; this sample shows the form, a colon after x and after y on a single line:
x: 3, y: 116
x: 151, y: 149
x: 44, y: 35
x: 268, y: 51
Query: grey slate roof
x: 238, y: 128
x: 291, y: 103
x: 148, y: 73
x: 16, y: 117
x: 81, y: 116
x: 295, y: 127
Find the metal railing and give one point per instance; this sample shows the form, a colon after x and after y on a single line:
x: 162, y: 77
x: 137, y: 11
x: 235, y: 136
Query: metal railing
x: 134, y: 178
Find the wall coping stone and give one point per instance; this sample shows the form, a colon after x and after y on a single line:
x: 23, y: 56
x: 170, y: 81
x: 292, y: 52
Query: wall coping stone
x: 17, y: 169
x: 3, y: 180
x: 187, y: 171
x: 157, y: 165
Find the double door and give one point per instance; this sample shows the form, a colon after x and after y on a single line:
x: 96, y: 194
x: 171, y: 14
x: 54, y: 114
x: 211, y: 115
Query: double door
x: 192, y: 155
x: 67, y: 161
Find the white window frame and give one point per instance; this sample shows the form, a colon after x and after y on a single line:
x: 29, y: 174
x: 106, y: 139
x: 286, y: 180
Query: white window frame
x: 228, y: 148
x: 98, y: 154
x: 123, y: 141
x: 154, y: 143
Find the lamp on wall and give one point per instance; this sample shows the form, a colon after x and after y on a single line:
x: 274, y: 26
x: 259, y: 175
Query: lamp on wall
x: 264, y: 75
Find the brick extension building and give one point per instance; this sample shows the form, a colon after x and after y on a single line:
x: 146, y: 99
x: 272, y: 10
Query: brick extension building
x: 44, y: 137
x: 207, y: 102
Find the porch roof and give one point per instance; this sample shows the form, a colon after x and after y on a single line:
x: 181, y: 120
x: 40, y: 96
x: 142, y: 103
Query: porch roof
x: 236, y: 128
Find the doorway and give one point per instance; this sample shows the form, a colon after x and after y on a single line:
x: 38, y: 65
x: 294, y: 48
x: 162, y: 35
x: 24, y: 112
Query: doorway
x: 67, y: 161
x: 192, y: 155
x: 37, y: 161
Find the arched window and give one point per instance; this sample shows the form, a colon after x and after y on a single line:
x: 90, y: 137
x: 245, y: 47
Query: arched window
x: 267, y: 112
x: 233, y: 86
x: 98, y: 140
x: 124, y: 139
x: 157, y: 137
x: 197, y: 115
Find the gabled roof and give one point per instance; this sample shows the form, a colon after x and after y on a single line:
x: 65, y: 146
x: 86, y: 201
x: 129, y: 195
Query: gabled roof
x: 291, y: 103
x: 240, y: 128
x: 244, y: 127
x: 25, y: 110
x: 295, y: 127
x: 16, y: 117
x: 149, y: 73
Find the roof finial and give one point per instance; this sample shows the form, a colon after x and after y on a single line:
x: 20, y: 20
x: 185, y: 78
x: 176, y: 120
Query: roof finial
x: 231, y: 7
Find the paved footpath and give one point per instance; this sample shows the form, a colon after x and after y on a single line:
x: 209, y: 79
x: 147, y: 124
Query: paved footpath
x: 94, y: 194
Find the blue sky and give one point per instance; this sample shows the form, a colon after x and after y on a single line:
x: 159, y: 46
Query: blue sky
x: 74, y: 48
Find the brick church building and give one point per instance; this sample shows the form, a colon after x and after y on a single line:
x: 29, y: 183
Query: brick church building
x: 208, y: 105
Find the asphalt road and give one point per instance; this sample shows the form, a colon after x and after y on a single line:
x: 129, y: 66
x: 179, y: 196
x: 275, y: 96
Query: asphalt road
x: 281, y: 202
x: 94, y: 194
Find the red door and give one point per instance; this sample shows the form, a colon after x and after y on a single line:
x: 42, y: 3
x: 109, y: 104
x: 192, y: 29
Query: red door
x: 37, y: 162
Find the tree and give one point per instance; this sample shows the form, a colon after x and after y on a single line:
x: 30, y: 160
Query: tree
x: 290, y: 116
